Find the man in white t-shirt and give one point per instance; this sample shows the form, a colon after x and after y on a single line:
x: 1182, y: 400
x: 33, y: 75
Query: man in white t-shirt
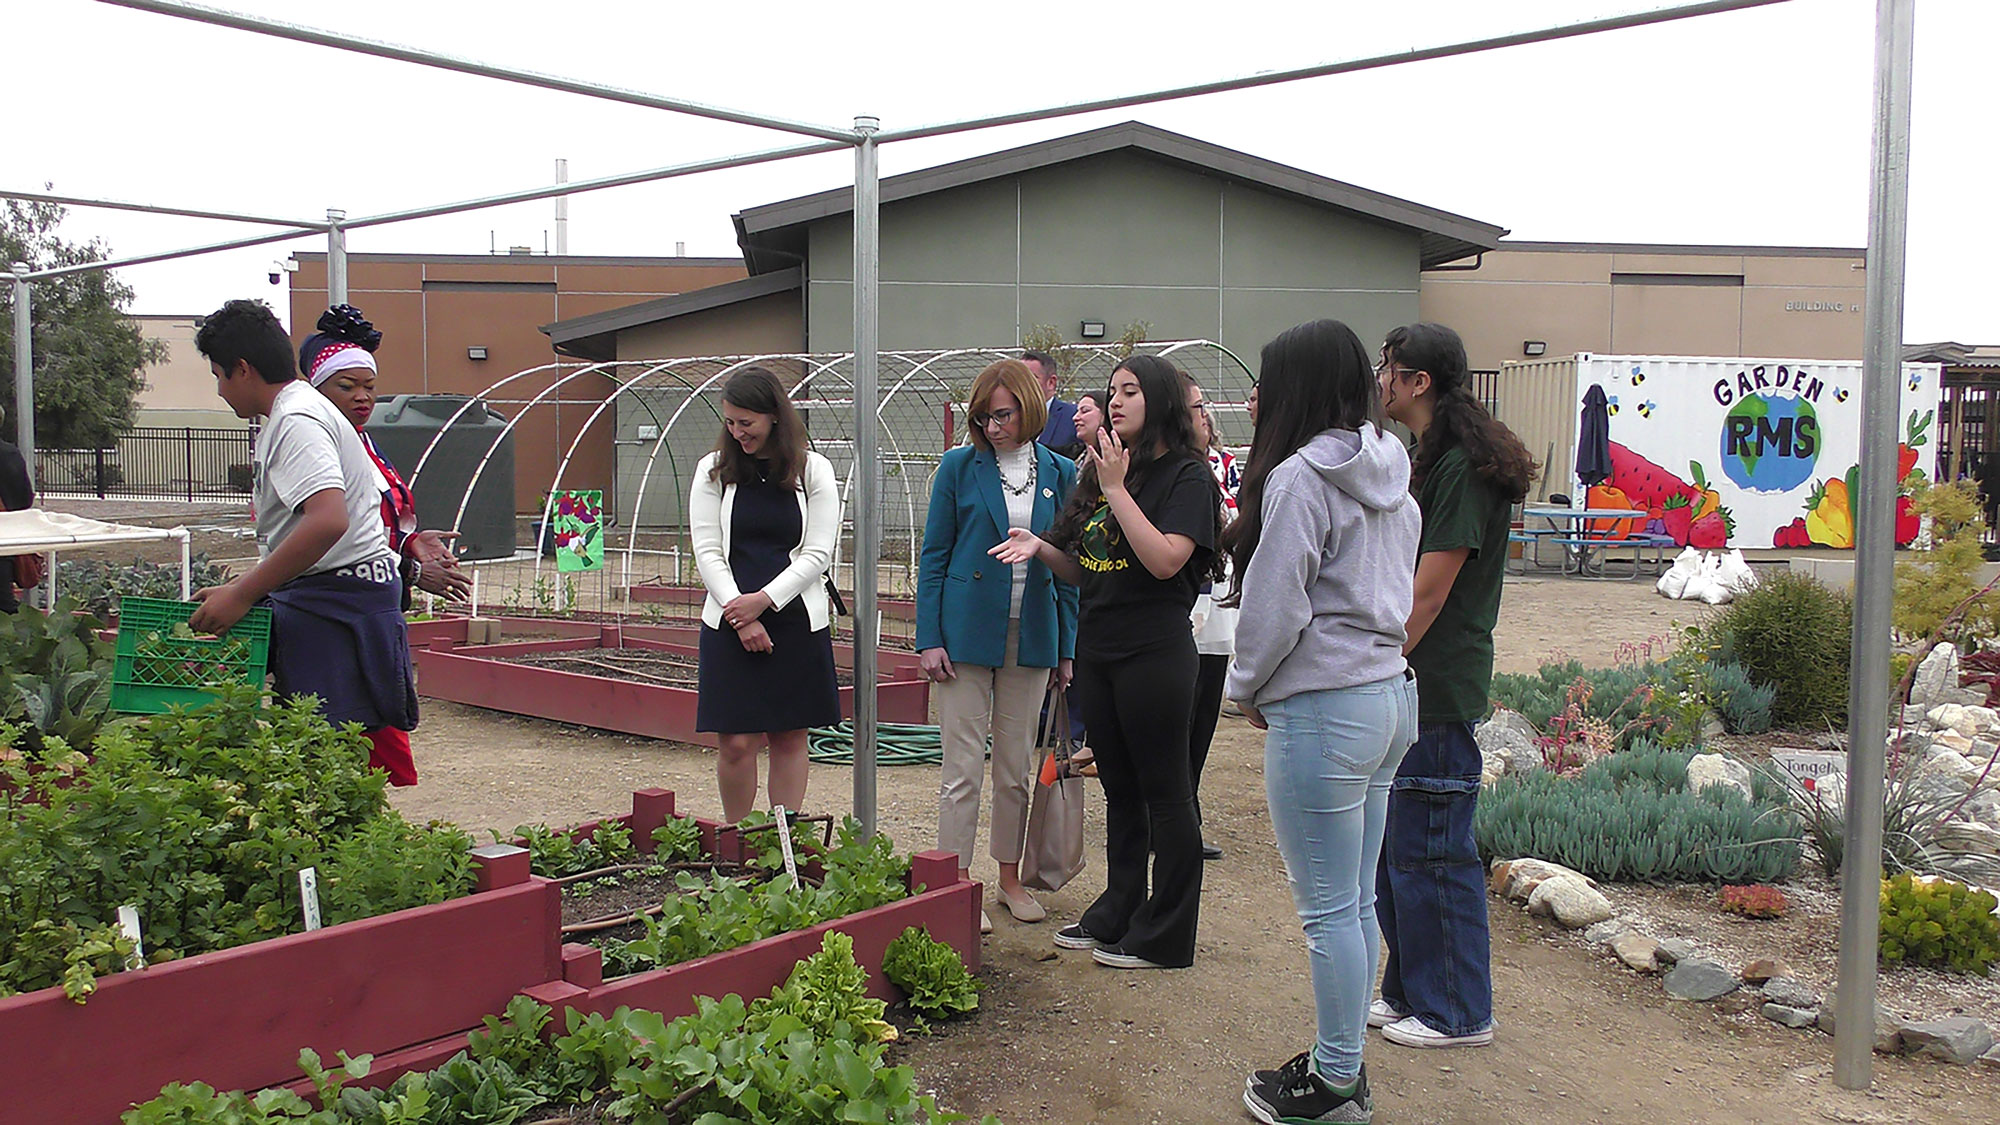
x: 325, y: 567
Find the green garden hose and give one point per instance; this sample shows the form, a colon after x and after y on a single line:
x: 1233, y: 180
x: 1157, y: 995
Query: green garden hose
x: 896, y: 744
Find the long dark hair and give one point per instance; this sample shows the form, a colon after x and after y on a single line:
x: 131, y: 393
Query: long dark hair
x: 756, y: 389
x: 1311, y: 379
x: 1458, y: 419
x: 1167, y: 435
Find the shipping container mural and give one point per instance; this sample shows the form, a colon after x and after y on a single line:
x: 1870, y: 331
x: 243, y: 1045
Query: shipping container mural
x: 1749, y: 453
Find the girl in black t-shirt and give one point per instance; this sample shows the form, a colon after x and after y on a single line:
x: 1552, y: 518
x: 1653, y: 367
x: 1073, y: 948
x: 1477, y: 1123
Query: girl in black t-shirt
x: 1138, y: 537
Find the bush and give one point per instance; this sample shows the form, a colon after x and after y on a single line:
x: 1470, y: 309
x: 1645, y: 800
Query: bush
x: 1792, y: 635
x: 1939, y: 923
x: 1758, y: 901
x: 1933, y: 582
x: 931, y: 973
x: 1743, y: 704
x: 55, y: 676
x: 1629, y: 818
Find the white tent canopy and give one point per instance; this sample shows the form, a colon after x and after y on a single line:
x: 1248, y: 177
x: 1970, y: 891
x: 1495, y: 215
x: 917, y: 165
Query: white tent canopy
x: 32, y: 531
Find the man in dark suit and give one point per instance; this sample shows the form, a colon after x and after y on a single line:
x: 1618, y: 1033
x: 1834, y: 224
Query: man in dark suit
x: 1061, y: 429
x: 16, y: 492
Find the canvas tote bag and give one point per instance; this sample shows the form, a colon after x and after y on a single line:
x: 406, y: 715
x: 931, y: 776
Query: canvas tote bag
x: 1053, y: 852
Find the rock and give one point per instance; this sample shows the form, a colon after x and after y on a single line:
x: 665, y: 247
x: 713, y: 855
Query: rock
x: 1711, y: 727
x: 1888, y: 1028
x: 1524, y: 875
x: 1570, y: 900
x: 1637, y: 951
x: 1937, y: 674
x: 1951, y: 740
x: 1968, y: 721
x: 1765, y: 968
x: 1790, y: 992
x: 1698, y: 978
x: 1674, y: 949
x: 1956, y: 1039
x: 1789, y: 1016
x: 1984, y: 808
x: 1506, y: 744
x: 1954, y: 764
x: 1968, y: 836
x: 1914, y: 717
x: 1705, y: 770
x: 1604, y: 931
x: 1991, y: 1058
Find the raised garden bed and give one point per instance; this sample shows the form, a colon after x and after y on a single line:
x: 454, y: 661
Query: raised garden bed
x: 490, y: 676
x: 407, y: 987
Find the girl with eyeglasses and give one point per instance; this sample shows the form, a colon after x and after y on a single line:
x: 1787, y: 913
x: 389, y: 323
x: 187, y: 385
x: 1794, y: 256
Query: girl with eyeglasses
x: 994, y: 637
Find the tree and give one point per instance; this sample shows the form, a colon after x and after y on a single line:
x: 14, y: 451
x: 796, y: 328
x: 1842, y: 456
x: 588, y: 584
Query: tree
x: 88, y: 354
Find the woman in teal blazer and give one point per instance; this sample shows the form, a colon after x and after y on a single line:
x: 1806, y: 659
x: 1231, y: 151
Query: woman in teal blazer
x: 994, y: 637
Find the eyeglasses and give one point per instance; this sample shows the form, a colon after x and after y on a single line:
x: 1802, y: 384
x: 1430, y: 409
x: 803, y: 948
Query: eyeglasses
x: 1389, y: 366
x: 1005, y: 416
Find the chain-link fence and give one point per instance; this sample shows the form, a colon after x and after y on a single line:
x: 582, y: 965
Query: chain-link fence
x: 655, y: 420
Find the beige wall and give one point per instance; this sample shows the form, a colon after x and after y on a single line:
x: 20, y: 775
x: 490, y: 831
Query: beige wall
x: 179, y: 390
x: 432, y: 309
x: 773, y: 323
x: 1793, y: 303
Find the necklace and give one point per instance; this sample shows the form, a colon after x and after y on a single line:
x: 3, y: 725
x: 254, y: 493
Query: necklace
x: 1025, y: 485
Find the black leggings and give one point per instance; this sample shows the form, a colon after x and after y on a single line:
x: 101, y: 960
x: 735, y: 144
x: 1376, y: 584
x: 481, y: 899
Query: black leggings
x: 1209, y: 680
x: 1138, y: 710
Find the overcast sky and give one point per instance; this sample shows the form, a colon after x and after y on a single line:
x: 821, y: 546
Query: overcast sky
x: 1748, y: 127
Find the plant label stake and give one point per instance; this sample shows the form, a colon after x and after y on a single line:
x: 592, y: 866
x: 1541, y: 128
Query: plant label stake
x: 309, y: 896
x: 128, y: 923
x: 785, y: 844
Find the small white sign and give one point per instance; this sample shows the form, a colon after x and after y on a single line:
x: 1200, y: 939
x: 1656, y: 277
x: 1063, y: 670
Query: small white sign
x: 128, y: 923
x: 785, y: 844
x: 309, y: 896
x: 1807, y: 767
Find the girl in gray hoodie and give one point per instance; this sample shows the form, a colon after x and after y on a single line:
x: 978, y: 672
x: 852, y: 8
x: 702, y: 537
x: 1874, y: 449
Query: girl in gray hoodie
x: 1326, y: 543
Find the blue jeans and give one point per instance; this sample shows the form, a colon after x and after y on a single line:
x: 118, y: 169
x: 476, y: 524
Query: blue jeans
x: 1431, y: 890
x: 1328, y: 761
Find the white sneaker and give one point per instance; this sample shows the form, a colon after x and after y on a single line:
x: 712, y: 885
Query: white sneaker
x: 1413, y: 1032
x: 1381, y: 1013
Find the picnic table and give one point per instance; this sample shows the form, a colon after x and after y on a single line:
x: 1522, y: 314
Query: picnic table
x: 1586, y: 550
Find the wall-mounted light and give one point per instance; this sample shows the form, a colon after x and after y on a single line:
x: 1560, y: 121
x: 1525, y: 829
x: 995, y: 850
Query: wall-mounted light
x: 1092, y: 330
x: 1534, y: 347
x: 475, y: 353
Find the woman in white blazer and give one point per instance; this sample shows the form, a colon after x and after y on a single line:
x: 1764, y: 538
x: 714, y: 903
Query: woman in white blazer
x: 765, y: 516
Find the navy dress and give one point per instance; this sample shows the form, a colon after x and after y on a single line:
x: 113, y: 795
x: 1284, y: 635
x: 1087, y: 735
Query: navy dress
x: 792, y: 686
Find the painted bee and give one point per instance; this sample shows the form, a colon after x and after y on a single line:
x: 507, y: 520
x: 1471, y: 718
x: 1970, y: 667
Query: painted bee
x: 1840, y: 394
x: 1646, y: 409
x: 1611, y: 406
x: 1916, y: 377
x: 1638, y: 377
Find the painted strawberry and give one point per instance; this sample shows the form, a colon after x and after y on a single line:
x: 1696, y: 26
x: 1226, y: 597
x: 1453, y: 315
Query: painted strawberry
x: 1710, y: 532
x: 1792, y: 534
x: 1677, y: 515
x: 1907, y: 523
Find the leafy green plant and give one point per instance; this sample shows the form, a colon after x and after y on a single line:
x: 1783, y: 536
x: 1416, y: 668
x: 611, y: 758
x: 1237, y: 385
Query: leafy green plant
x: 931, y: 973
x: 390, y: 864
x: 1938, y: 922
x: 1629, y: 818
x: 827, y: 994
x: 556, y: 853
x: 98, y: 585
x: 677, y: 841
x: 1936, y: 580
x: 55, y: 675
x: 1793, y: 635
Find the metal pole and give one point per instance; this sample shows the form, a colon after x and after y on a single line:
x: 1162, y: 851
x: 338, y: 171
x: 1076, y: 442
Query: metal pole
x: 24, y: 367
x: 203, y: 14
x: 336, y: 256
x: 1274, y: 77
x: 1874, y: 543
x: 151, y: 208
x: 562, y: 209
x: 867, y: 549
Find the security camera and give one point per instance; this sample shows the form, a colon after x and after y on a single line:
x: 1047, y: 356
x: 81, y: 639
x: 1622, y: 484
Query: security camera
x: 277, y: 275
x: 282, y: 267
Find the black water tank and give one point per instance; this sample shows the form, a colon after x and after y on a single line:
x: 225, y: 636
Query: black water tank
x: 403, y: 427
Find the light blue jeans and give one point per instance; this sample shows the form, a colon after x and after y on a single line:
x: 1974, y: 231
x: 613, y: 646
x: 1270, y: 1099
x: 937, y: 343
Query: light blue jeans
x: 1329, y: 759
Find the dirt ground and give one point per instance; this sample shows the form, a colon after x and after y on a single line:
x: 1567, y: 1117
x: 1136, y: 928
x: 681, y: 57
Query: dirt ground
x: 1059, y: 1039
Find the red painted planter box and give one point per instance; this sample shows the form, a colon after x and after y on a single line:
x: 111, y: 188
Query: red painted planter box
x: 237, y: 1018
x: 475, y: 675
x: 406, y: 987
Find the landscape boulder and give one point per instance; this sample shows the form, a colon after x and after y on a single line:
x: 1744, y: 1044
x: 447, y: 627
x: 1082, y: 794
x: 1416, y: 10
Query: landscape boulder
x: 1571, y: 900
x: 1705, y: 770
x: 1698, y: 978
x: 1958, y: 1039
x: 1637, y: 951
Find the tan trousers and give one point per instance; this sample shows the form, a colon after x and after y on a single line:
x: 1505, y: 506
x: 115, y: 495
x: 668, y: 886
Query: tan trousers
x: 1005, y: 702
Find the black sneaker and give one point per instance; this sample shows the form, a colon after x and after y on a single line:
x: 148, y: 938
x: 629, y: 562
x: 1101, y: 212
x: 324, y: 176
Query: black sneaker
x: 1074, y: 936
x: 1296, y: 1096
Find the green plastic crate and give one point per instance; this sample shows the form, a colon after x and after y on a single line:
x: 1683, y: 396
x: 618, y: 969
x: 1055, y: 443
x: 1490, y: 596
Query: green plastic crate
x: 157, y: 670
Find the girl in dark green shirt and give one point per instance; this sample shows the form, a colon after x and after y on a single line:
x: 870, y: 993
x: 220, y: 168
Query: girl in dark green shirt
x: 1468, y: 471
